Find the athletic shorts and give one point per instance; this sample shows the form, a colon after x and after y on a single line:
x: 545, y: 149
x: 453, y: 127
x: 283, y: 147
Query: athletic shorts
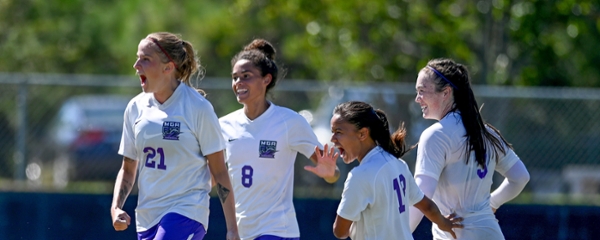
x: 271, y: 237
x: 174, y: 226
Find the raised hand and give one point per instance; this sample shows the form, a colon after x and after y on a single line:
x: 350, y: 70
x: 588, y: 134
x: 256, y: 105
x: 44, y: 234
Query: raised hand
x: 325, y: 163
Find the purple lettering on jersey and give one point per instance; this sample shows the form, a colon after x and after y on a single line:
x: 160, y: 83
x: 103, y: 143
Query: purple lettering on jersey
x: 400, y: 185
x: 247, y: 172
x: 151, y: 154
x: 482, y: 173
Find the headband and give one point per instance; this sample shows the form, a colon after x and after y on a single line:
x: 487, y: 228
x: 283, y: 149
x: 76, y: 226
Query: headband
x: 442, y: 76
x: 163, y: 50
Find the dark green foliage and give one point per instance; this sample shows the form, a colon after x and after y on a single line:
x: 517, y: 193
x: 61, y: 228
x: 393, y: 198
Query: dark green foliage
x: 503, y: 42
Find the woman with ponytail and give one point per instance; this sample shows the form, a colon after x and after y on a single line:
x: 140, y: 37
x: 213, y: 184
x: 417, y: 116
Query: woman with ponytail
x: 263, y: 140
x: 379, y: 190
x: 172, y: 141
x: 457, y: 156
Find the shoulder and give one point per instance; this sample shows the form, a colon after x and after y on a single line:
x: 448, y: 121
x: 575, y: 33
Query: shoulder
x: 437, y: 129
x: 359, y: 175
x: 194, y: 95
x: 289, y: 115
x: 231, y: 117
x: 367, y: 174
x: 388, y: 160
x: 496, y: 133
x: 142, y: 99
x: 448, y: 127
x: 374, y: 164
x: 400, y: 161
x: 284, y: 110
x: 451, y: 122
x: 196, y: 100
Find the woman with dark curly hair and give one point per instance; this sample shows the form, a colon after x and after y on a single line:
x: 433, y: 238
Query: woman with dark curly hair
x: 263, y: 140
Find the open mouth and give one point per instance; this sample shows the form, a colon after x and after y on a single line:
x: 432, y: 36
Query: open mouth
x: 342, y: 151
x: 143, y: 79
x: 241, y: 91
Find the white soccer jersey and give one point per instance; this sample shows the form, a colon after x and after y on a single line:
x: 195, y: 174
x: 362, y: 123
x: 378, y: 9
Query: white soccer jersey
x: 169, y: 141
x: 376, y: 197
x: 260, y: 156
x: 462, y: 188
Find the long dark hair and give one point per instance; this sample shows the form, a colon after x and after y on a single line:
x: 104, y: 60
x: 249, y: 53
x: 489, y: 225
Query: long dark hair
x: 479, y: 139
x: 362, y: 114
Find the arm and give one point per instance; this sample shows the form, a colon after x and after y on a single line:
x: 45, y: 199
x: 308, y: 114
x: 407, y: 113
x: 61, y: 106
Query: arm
x: 515, y: 180
x: 302, y: 139
x: 218, y: 170
x: 213, y: 182
x: 427, y: 185
x: 341, y: 227
x: 123, y: 185
x: 432, y: 212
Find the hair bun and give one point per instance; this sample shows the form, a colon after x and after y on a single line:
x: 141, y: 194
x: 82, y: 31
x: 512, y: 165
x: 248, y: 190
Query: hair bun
x: 262, y: 45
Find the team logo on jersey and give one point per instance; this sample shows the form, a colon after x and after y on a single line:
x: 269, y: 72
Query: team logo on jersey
x: 171, y: 130
x: 267, y: 149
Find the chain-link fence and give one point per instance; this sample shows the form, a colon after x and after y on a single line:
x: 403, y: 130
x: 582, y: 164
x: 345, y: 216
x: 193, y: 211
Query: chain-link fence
x: 60, y: 132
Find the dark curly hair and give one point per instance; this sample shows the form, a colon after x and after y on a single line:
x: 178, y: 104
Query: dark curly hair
x: 261, y: 53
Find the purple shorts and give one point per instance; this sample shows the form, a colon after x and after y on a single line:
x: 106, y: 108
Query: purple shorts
x: 271, y: 237
x: 174, y: 226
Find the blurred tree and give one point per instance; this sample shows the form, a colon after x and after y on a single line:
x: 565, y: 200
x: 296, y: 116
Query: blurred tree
x: 504, y: 42
x: 554, y: 43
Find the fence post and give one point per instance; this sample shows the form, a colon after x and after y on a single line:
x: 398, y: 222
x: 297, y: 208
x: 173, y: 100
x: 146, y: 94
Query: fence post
x: 21, y: 136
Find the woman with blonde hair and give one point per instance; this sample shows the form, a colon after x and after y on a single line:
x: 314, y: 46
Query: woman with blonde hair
x: 172, y: 141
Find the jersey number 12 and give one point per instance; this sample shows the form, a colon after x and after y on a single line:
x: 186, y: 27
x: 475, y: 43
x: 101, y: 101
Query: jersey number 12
x: 400, y: 184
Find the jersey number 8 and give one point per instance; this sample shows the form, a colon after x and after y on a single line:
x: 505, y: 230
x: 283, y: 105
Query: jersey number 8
x: 247, y: 173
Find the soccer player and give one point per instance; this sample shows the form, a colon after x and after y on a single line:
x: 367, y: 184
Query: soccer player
x: 379, y: 190
x: 263, y: 140
x: 171, y: 138
x: 457, y: 156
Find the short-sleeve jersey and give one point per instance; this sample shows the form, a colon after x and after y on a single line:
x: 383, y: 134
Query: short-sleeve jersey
x: 462, y: 187
x: 169, y: 141
x: 260, y: 155
x: 377, y: 195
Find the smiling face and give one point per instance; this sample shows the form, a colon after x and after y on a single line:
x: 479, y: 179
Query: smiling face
x: 149, y: 67
x: 247, y: 83
x: 434, y: 104
x: 346, y: 138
